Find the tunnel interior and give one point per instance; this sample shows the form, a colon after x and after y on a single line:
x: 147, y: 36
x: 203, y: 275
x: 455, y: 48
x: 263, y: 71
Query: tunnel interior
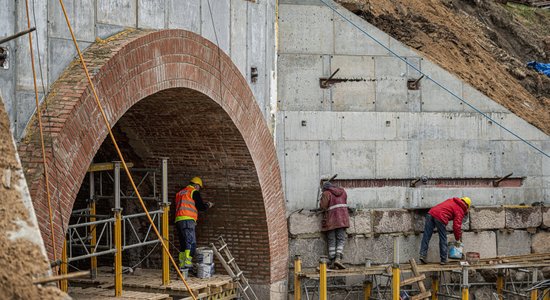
x: 199, y: 139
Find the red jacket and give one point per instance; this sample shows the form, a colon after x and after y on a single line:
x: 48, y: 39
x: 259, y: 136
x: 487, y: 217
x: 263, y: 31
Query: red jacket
x: 451, y: 209
x: 334, y: 201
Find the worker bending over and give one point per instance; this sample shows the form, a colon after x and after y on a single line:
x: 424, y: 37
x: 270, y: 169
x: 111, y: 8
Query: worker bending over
x: 439, y: 216
x: 188, y: 203
x: 335, y: 221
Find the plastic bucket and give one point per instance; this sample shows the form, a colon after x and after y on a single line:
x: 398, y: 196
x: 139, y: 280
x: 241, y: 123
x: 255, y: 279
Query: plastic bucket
x: 205, y: 270
x: 205, y: 256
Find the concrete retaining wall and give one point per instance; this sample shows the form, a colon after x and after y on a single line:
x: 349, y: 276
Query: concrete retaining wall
x: 374, y: 232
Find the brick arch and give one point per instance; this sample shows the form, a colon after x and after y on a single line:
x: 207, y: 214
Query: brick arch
x: 128, y: 68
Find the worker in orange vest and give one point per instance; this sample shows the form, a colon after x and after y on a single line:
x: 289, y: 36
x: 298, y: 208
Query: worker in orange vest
x: 188, y: 203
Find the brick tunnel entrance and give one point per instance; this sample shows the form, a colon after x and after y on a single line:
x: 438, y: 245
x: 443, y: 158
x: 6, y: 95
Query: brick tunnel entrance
x: 163, y: 91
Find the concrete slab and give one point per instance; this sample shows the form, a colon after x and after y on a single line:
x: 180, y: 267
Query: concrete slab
x: 81, y: 20
x: 298, y: 83
x: 310, y: 250
x: 302, y: 165
x: 441, y: 160
x: 219, y: 22
x: 367, y: 126
x: 354, y: 159
x: 540, y: 242
x: 360, y: 222
x: 523, y: 217
x: 353, y: 67
x: 315, y: 125
x: 484, y: 242
x: 305, y: 29
x: 353, y: 96
x: 280, y: 145
x: 401, y: 49
x: 305, y: 222
x: 363, y: 44
x: 516, y: 157
x: 362, y: 198
x: 517, y: 242
x: 409, y: 247
x: 238, y: 30
x: 435, y: 98
x: 481, y: 196
x: 391, y: 220
x: 26, y: 106
x: 479, y: 101
x: 378, y: 249
x: 477, y: 159
x: 391, y: 94
x: 392, y: 159
x: 429, y: 197
x: 392, y: 197
x: 117, y: 12
x: 483, y: 218
x: 256, y: 48
x: 61, y: 54
x: 521, y: 128
x: 151, y: 14
x: 418, y: 219
x: 184, y: 15
x: 106, y: 30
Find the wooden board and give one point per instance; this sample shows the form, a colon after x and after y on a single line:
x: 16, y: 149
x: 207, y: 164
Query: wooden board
x: 97, y: 293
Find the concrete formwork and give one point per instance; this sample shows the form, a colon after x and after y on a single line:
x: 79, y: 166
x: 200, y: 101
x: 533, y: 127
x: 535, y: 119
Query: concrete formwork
x: 242, y: 30
x: 371, y: 126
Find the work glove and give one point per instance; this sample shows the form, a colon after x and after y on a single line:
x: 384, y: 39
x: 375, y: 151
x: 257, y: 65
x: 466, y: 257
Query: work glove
x: 210, y: 204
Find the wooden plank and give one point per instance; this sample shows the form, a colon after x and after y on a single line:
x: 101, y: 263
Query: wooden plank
x: 60, y: 277
x: 413, y: 280
x: 422, y: 296
x: 108, y: 166
x: 416, y: 274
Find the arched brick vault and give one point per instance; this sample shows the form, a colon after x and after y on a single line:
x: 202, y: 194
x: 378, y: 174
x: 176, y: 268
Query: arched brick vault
x: 164, y: 66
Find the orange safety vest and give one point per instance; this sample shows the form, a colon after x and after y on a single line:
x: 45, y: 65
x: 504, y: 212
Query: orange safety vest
x: 185, y: 205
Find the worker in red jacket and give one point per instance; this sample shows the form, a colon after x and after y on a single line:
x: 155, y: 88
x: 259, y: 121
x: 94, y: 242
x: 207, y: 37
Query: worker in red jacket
x: 439, y: 216
x: 335, y: 221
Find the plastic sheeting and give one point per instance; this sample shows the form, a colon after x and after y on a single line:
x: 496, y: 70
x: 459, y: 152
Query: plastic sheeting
x: 540, y: 67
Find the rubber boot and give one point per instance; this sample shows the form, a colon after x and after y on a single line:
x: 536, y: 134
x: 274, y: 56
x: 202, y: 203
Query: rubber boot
x: 181, y: 257
x: 188, y: 259
x: 338, y: 262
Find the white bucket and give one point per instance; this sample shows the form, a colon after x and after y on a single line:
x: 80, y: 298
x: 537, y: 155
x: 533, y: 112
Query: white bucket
x: 205, y: 270
x: 205, y: 256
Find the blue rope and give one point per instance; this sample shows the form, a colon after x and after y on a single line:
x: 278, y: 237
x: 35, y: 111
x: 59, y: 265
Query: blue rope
x: 429, y: 78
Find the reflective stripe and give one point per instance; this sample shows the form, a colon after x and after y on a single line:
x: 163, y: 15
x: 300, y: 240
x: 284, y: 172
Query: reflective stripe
x: 186, y: 208
x: 187, y: 202
x: 337, y: 206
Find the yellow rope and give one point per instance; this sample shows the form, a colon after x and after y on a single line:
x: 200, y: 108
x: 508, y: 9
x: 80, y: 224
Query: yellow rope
x: 120, y: 153
x: 39, y: 116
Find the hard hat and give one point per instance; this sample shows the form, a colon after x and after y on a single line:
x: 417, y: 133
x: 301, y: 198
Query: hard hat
x: 197, y: 180
x: 467, y: 200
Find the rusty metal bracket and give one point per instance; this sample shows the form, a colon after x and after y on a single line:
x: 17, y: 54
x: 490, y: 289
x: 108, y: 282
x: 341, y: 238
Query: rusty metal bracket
x: 498, y: 181
x: 324, y: 82
x: 414, y: 182
x: 414, y: 84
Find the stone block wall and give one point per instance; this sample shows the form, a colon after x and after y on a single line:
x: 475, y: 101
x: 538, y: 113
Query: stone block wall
x: 491, y: 231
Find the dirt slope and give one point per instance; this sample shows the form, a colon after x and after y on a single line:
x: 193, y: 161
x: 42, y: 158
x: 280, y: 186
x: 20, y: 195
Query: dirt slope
x: 485, y: 43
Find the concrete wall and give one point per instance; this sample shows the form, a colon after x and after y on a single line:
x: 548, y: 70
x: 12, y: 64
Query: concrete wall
x: 244, y: 29
x: 375, y: 128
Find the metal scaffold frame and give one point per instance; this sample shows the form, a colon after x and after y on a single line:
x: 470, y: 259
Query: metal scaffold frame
x: 441, y: 283
x: 97, y: 235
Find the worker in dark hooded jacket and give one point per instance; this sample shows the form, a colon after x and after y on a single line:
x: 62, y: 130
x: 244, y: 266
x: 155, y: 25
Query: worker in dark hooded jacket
x: 335, y: 221
x: 439, y: 216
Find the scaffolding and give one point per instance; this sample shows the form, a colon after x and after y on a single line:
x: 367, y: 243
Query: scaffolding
x: 392, y: 281
x: 93, y: 235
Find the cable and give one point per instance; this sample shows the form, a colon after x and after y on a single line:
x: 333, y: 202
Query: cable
x: 146, y: 256
x: 431, y: 79
x: 122, y: 160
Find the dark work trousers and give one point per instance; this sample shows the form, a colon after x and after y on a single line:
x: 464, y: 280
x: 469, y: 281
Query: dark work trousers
x: 431, y: 222
x: 336, y: 240
x: 186, y: 235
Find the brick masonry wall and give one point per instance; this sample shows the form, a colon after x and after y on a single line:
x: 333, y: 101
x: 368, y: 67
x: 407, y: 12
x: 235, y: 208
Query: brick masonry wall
x: 133, y: 66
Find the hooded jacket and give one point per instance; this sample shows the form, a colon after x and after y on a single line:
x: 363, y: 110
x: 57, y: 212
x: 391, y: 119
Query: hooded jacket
x: 451, y: 209
x: 334, y: 203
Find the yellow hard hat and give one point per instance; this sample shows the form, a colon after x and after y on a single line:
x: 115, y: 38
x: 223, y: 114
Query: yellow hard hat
x: 467, y: 200
x: 197, y: 180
